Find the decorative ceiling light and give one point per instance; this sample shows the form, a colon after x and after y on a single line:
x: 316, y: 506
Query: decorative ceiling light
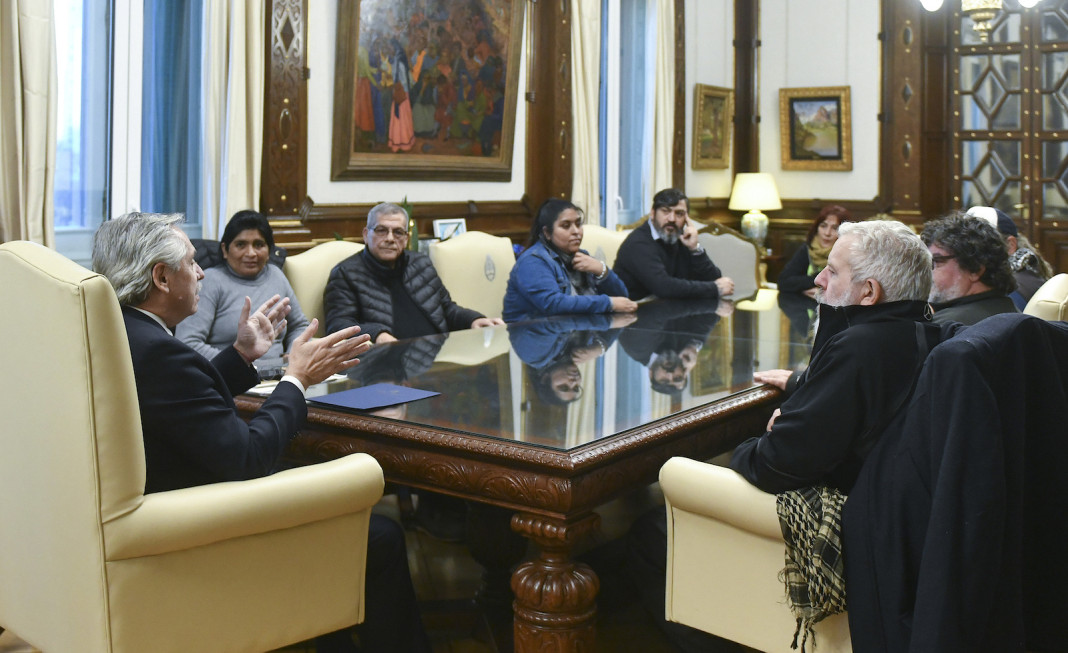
x: 980, y: 11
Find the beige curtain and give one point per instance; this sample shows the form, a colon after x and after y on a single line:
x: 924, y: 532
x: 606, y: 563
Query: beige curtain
x: 233, y: 125
x: 664, y: 95
x: 585, y: 80
x: 28, y: 87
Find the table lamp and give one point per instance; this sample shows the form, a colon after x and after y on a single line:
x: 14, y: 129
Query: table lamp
x: 753, y: 192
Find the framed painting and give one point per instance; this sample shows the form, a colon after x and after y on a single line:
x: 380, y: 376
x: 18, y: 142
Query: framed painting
x: 426, y: 89
x: 814, y: 128
x: 446, y: 228
x: 713, y: 117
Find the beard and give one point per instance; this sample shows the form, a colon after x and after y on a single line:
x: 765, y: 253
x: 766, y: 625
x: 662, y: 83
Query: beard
x: 669, y: 237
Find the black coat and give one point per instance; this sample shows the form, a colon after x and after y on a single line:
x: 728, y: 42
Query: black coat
x: 863, y: 360
x: 193, y: 434
x: 955, y: 532
x: 356, y: 294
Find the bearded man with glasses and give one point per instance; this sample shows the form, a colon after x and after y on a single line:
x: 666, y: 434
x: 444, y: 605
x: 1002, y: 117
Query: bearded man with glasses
x: 972, y: 278
x: 390, y: 292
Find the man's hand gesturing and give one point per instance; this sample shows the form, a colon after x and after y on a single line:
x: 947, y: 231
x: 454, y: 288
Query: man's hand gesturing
x: 257, y: 331
x: 314, y: 361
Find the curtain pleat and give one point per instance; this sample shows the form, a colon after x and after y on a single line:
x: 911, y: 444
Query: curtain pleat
x: 585, y: 86
x: 664, y: 96
x: 233, y: 120
x: 28, y: 114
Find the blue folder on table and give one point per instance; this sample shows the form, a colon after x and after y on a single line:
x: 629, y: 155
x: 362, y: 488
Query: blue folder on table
x: 369, y: 397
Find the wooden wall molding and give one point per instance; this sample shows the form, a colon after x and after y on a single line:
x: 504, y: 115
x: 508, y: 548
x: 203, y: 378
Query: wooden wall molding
x: 678, y: 145
x: 284, y: 176
x: 322, y: 222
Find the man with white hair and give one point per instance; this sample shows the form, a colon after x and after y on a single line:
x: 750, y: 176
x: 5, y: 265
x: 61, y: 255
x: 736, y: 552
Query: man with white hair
x: 192, y: 432
x: 874, y: 333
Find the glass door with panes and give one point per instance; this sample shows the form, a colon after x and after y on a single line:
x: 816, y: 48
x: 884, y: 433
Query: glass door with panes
x: 1010, y: 107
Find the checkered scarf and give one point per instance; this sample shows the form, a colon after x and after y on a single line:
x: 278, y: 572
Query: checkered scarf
x: 814, y: 575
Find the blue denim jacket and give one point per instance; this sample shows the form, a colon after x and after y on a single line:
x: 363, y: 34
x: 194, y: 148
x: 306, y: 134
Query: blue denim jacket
x: 539, y: 286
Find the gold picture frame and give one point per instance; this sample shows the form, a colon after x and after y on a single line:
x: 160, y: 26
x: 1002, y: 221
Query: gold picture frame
x: 713, y: 117
x: 815, y: 128
x: 428, y: 95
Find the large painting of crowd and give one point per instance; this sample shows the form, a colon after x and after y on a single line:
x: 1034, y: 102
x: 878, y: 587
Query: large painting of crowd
x: 426, y: 86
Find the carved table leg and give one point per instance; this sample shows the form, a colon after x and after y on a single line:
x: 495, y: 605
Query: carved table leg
x: 555, y: 607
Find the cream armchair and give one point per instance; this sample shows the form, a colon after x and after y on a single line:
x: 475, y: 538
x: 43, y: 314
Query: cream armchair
x: 736, y: 256
x: 725, y: 552
x: 602, y: 244
x: 474, y: 268
x: 1050, y: 301
x: 309, y: 271
x: 88, y: 562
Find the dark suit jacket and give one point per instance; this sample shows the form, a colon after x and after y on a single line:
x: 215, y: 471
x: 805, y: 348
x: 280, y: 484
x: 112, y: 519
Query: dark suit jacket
x: 193, y: 435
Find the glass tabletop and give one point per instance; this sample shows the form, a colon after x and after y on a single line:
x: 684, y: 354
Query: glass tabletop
x: 567, y: 381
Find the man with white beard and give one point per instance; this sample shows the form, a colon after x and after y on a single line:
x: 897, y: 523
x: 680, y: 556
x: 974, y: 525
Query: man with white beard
x: 663, y: 258
x: 873, y: 336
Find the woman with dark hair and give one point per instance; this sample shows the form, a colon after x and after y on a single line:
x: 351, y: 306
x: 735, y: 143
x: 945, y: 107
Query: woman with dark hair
x: 800, y: 272
x: 245, y: 246
x: 553, y: 276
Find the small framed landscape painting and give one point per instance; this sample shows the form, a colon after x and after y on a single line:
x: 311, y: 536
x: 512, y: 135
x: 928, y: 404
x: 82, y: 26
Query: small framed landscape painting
x: 815, y: 128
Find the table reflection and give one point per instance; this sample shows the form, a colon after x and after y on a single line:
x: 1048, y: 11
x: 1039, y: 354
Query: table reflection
x: 567, y: 381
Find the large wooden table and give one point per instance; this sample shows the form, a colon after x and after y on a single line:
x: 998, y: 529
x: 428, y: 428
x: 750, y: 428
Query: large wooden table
x: 493, y: 438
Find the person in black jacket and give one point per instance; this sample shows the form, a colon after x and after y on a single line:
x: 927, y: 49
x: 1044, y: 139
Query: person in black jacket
x: 663, y: 258
x: 873, y: 336
x: 799, y: 274
x: 390, y: 292
x: 192, y: 431
x: 972, y: 278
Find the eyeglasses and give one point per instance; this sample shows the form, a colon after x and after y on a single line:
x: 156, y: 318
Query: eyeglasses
x: 939, y: 259
x: 382, y: 232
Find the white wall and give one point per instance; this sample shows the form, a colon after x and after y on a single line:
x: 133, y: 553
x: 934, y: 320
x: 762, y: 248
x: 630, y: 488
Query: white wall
x: 709, y: 60
x: 822, y: 43
x: 322, y: 41
x: 804, y: 43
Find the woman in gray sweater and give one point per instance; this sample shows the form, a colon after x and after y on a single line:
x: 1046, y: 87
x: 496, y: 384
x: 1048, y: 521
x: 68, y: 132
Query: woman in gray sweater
x: 245, y: 246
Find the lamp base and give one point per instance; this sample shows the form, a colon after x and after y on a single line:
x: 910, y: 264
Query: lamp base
x: 755, y: 226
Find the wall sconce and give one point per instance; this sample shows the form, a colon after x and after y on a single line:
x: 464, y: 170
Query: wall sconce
x: 754, y: 192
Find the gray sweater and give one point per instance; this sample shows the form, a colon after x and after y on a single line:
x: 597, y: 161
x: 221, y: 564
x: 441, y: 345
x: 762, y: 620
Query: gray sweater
x: 214, y: 326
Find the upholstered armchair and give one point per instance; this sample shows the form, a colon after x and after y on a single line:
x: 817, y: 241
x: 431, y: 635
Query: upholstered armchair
x: 88, y: 562
x: 1050, y: 301
x: 736, y: 256
x: 602, y: 244
x: 474, y: 268
x: 725, y: 552
x: 309, y: 271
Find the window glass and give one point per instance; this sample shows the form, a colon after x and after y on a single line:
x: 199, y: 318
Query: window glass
x: 83, y: 135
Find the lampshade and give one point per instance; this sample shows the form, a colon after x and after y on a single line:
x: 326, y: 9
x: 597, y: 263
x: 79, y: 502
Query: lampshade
x: 754, y: 190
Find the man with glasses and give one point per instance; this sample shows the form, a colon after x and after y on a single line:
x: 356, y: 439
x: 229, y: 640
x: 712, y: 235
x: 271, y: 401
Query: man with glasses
x: 972, y: 278
x: 663, y: 258
x: 390, y: 292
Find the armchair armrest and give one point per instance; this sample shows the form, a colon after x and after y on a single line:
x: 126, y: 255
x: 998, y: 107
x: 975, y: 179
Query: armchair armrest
x: 198, y: 516
x: 721, y: 494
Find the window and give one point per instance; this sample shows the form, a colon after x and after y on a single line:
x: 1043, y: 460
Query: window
x: 83, y: 146
x: 626, y: 112
x: 129, y: 114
